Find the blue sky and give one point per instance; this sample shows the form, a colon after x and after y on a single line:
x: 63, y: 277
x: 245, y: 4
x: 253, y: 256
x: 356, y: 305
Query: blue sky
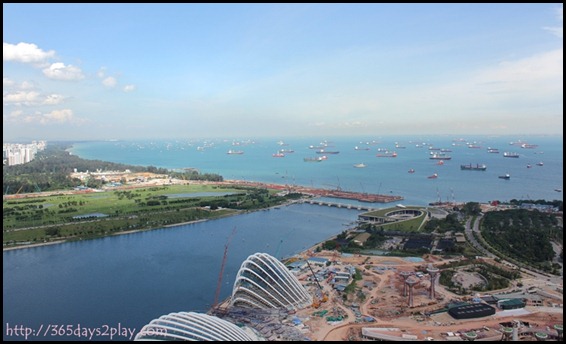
x: 105, y: 71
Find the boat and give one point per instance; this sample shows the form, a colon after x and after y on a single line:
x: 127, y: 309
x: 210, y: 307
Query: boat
x: 387, y: 155
x: 505, y: 176
x: 286, y: 151
x: 476, y: 167
x: 510, y: 155
x: 361, y: 165
x: 440, y: 157
x: 411, y: 170
x: 361, y: 148
x: 445, y: 150
x: 322, y: 151
x: 558, y: 190
x: 529, y: 165
x: 434, y: 176
x: 398, y: 146
x: 492, y: 150
x: 528, y: 146
x: 540, y: 163
x: 440, y: 162
x: 315, y: 159
x: 278, y: 155
x: 238, y: 152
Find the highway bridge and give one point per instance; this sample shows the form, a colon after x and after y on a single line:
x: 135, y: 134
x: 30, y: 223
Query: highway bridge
x: 340, y: 205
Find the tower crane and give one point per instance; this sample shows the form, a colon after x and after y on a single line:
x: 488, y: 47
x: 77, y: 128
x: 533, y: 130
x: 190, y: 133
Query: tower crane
x: 323, y: 297
x: 219, y: 283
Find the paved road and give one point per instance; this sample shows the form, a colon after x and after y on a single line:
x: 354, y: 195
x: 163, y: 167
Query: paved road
x: 470, y: 228
x: 472, y: 239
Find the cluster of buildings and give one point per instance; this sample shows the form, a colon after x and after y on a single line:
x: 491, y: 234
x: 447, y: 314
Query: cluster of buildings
x: 20, y: 153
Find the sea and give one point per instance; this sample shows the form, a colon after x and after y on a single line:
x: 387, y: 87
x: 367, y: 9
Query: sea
x: 108, y: 288
x: 382, y: 175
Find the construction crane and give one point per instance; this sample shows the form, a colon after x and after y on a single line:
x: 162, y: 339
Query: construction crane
x: 323, y: 297
x: 219, y: 283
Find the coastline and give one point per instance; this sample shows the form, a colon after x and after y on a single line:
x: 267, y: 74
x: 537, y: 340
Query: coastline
x: 33, y: 245
x: 105, y: 236
x: 140, y: 230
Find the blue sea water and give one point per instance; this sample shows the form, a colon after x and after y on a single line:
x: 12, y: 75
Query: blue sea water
x: 381, y: 175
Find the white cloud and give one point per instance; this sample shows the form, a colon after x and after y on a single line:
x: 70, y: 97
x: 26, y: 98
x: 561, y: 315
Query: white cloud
x: 53, y: 99
x: 109, y: 81
x: 129, y: 88
x: 31, y: 98
x: 21, y: 98
x: 61, y: 116
x: 557, y: 30
x: 27, y: 85
x: 527, y: 73
x: 101, y: 72
x: 6, y: 82
x: 58, y: 116
x: 16, y: 113
x: 25, y: 52
x: 59, y: 71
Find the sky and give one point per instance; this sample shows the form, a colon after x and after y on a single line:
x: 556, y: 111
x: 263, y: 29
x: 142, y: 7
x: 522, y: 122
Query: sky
x: 183, y: 71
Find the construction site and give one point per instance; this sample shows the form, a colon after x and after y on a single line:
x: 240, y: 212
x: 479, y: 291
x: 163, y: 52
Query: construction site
x: 358, y: 297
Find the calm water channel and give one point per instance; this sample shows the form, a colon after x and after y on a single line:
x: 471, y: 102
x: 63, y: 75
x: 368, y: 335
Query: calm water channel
x: 131, y: 279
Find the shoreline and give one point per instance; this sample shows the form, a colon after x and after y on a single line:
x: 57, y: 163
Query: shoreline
x: 33, y: 245
x: 11, y: 248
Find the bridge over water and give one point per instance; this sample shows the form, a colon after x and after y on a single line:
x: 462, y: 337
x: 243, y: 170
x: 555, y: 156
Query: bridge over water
x: 340, y: 205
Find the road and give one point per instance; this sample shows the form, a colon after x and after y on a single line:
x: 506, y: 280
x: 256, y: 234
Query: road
x: 472, y: 239
x: 471, y: 228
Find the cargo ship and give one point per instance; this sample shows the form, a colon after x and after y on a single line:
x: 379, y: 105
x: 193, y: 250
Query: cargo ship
x: 476, y: 167
x: 238, y: 152
x: 510, y: 155
x: 440, y: 157
x: 387, y: 155
x: 323, y: 151
x: 315, y: 159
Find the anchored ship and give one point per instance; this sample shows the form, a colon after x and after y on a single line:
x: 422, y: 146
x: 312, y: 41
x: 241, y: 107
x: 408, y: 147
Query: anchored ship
x: 476, y: 167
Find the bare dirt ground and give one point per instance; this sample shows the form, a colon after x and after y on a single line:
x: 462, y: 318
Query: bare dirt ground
x: 387, y: 305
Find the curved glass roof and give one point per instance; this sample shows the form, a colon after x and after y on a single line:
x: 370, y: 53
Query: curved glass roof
x: 264, y: 282
x: 192, y: 326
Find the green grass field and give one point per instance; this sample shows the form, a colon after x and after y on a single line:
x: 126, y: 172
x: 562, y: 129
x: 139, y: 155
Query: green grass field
x: 36, y: 220
x: 413, y: 224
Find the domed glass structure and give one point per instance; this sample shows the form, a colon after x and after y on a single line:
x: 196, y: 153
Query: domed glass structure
x: 192, y: 326
x: 264, y: 282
